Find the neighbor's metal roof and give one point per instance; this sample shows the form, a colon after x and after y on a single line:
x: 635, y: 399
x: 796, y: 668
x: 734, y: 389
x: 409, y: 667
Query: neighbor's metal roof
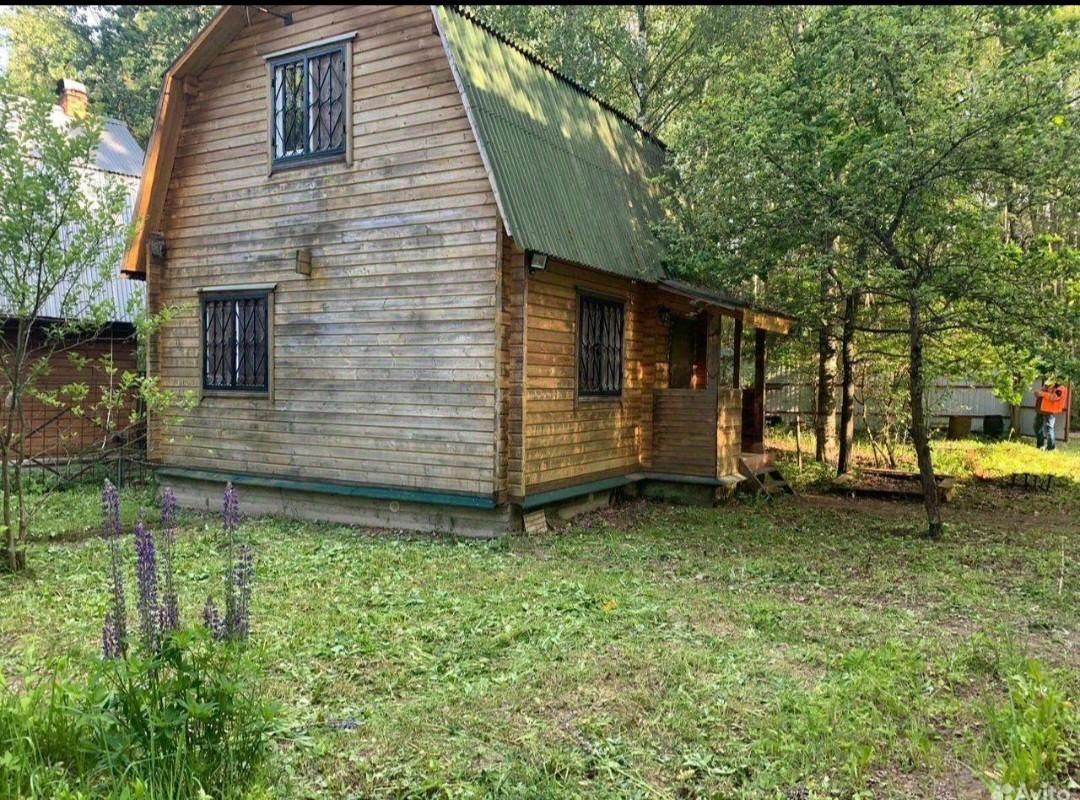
x: 120, y: 156
x: 124, y: 296
x: 572, y: 176
x: 117, y: 151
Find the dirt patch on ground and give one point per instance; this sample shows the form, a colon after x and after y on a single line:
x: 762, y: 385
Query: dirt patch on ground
x: 991, y: 517
x: 956, y: 782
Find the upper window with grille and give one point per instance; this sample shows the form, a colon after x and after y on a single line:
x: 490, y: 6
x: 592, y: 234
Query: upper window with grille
x: 309, y: 90
x: 236, y: 342
x: 600, y: 347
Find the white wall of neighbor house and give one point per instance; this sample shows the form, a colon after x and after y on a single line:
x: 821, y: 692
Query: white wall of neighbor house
x: 788, y: 392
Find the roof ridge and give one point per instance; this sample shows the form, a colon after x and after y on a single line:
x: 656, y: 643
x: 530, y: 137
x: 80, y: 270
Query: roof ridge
x: 535, y: 59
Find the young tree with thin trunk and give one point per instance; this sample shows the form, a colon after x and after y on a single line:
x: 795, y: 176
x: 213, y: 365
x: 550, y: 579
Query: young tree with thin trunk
x: 847, y: 382
x: 62, y: 232
x: 825, y: 400
x: 61, y: 235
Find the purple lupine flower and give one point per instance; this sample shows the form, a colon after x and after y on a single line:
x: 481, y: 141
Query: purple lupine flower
x: 146, y: 573
x: 110, y: 530
x: 237, y: 571
x: 231, y: 508
x: 110, y: 511
x: 169, y: 613
x: 238, y: 614
x: 110, y: 638
x: 212, y: 620
x: 168, y: 509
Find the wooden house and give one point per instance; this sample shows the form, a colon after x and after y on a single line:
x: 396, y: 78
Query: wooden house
x: 419, y: 282
x: 56, y: 433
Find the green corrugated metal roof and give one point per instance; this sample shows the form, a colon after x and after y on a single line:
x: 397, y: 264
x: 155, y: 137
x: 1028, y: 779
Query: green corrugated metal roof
x: 572, y: 176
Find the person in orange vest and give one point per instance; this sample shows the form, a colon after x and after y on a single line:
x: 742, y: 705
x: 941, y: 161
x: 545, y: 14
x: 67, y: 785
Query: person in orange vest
x: 1051, y: 399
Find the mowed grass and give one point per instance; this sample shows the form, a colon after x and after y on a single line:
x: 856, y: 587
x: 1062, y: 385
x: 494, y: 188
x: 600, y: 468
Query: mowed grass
x: 811, y: 647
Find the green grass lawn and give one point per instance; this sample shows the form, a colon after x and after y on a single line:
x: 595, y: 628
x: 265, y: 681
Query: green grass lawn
x: 811, y: 647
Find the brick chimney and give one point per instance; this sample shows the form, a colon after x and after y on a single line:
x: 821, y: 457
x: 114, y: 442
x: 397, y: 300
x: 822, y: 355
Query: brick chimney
x: 73, y: 98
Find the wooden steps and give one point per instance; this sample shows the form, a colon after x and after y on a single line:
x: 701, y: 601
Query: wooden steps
x: 761, y: 476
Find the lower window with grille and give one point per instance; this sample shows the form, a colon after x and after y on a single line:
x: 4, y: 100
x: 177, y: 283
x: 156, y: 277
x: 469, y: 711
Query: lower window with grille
x: 600, y: 347
x: 236, y: 341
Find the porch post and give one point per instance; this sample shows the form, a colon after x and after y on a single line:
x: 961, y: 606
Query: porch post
x: 759, y: 364
x: 712, y: 376
x: 736, y: 356
x: 754, y: 405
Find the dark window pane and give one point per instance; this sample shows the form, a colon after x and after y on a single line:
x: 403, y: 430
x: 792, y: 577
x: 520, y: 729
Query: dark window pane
x: 289, y: 109
x: 235, y: 342
x: 327, y: 107
x: 309, y: 105
x: 600, y: 347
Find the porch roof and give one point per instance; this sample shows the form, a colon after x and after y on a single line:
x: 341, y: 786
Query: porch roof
x: 765, y: 319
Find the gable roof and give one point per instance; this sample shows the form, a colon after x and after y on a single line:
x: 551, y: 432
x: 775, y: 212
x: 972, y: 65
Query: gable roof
x: 571, y: 175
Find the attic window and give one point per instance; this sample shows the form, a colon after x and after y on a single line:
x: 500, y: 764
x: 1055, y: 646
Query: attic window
x: 309, y: 91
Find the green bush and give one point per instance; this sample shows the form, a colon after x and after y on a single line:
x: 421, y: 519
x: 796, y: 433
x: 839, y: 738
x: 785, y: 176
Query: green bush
x: 1036, y: 733
x: 44, y: 739
x: 184, y: 723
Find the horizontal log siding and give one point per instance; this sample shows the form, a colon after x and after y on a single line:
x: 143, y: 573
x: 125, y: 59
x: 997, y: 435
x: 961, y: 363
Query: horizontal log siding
x: 568, y: 439
x: 684, y: 431
x: 384, y: 368
x: 512, y: 333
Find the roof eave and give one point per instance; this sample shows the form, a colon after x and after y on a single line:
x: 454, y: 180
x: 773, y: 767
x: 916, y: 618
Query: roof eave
x: 470, y: 115
x: 161, y: 150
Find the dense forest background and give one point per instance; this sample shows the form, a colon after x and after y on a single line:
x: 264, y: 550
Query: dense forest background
x: 902, y: 180
x: 119, y: 52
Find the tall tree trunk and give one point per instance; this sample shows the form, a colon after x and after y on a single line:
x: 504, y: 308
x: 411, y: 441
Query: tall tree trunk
x: 919, y: 434
x: 641, y: 79
x: 825, y: 416
x: 847, y: 383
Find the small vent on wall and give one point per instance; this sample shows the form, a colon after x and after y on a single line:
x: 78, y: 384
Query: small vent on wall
x: 303, y: 261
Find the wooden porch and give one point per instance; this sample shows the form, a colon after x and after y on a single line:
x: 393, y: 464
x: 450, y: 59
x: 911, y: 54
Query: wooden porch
x: 697, y: 431
x: 708, y: 415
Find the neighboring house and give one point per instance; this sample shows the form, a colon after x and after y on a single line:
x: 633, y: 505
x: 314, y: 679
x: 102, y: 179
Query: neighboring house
x: 55, y: 432
x: 418, y: 280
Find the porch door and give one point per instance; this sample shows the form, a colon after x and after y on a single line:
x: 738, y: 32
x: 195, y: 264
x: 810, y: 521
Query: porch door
x: 686, y: 358
x: 753, y: 401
